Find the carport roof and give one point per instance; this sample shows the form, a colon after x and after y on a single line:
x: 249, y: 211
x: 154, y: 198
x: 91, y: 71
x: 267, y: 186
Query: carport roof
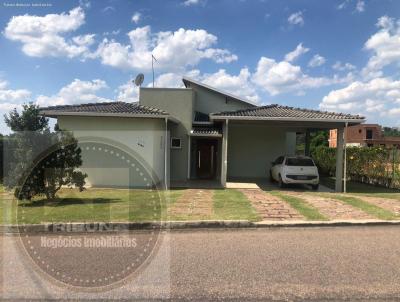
x: 278, y: 112
x: 104, y: 109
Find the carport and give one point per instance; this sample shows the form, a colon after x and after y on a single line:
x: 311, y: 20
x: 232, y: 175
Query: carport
x: 252, y: 138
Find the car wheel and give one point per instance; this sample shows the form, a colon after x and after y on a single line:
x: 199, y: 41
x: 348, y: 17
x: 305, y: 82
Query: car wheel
x: 271, y: 179
x: 281, y: 183
x: 315, y: 187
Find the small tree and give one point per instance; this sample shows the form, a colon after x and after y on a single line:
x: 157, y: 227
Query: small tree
x: 44, y: 161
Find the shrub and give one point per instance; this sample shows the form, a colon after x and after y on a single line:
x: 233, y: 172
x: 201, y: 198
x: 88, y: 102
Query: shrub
x: 372, y: 165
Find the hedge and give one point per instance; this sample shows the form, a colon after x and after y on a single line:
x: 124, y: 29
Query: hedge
x: 371, y: 165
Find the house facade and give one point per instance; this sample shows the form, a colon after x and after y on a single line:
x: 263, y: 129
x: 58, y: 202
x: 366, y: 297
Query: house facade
x: 365, y: 135
x: 198, y: 132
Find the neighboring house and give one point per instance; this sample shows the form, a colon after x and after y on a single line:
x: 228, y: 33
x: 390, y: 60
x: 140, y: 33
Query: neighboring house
x: 210, y: 134
x: 365, y: 135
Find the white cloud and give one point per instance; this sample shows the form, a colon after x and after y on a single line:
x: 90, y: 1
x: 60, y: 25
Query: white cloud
x: 108, y: 9
x: 136, y: 17
x: 378, y: 96
x: 343, y: 66
x: 239, y: 85
x: 293, y: 55
x: 342, y: 5
x: 360, y: 6
x: 128, y: 92
x: 174, y: 80
x: 85, y: 3
x: 281, y: 77
x: 384, y: 45
x: 77, y: 92
x: 394, y: 112
x: 43, y: 36
x: 84, y: 40
x: 191, y: 2
x: 173, y: 50
x: 10, y: 95
x: 168, y: 80
x: 296, y: 18
x: 12, y: 98
x: 316, y: 61
x: 112, y: 33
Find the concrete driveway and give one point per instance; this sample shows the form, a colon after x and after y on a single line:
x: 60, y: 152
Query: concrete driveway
x: 266, y: 185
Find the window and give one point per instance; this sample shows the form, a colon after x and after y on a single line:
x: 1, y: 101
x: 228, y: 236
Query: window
x: 279, y: 160
x: 176, y: 143
x: 299, y: 162
x: 369, y: 134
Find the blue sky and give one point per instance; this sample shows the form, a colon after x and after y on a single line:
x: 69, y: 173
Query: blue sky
x: 331, y: 55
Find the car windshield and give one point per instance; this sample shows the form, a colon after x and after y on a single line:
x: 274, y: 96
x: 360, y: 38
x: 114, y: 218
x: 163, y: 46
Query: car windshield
x: 303, y: 162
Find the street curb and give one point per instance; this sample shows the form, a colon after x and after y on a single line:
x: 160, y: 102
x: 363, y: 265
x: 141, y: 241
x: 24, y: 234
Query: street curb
x: 94, y: 227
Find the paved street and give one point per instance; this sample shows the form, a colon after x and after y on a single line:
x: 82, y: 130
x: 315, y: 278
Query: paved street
x: 346, y: 263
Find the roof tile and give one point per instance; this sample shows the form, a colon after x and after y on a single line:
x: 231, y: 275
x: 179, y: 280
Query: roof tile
x: 278, y: 111
x: 110, y: 107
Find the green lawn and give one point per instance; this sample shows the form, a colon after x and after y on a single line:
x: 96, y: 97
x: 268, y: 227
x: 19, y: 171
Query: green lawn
x: 118, y: 205
x: 233, y: 204
x: 369, y: 208
x: 304, y: 208
x: 93, y: 205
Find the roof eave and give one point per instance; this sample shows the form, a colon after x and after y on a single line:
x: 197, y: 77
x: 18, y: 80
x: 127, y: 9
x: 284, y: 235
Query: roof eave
x: 284, y: 119
x: 55, y: 114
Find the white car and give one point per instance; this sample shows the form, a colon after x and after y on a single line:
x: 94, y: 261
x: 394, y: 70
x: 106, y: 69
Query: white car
x: 295, y: 170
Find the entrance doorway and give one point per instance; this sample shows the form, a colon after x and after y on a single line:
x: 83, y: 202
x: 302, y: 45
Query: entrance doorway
x: 206, y: 158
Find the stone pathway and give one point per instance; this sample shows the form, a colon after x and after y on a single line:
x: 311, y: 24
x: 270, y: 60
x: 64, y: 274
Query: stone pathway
x: 331, y: 208
x: 270, y: 207
x: 195, y: 203
x: 384, y: 203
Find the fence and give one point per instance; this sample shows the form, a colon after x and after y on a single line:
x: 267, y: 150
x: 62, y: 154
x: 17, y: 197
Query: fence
x: 372, y: 165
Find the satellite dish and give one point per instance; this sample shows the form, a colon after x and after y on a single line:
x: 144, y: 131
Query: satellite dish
x: 139, y: 79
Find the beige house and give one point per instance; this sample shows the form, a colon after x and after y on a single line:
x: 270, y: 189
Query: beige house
x: 197, y: 133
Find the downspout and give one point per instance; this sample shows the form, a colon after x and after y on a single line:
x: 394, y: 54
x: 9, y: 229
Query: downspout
x: 166, y: 155
x: 345, y: 159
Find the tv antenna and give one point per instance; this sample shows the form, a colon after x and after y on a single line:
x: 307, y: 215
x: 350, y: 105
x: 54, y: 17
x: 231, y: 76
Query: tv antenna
x: 152, y: 66
x: 139, y: 79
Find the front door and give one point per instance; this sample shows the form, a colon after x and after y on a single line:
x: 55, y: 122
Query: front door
x: 206, y: 158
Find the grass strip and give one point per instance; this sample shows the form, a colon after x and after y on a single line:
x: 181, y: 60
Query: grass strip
x: 231, y: 204
x: 302, y: 206
x: 393, y: 196
x: 368, y: 208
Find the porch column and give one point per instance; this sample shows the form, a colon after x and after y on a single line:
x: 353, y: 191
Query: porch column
x: 307, y: 143
x: 224, y: 155
x: 339, y: 160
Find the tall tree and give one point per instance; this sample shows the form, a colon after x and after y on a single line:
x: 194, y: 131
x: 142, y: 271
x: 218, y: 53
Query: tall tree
x: 44, y: 161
